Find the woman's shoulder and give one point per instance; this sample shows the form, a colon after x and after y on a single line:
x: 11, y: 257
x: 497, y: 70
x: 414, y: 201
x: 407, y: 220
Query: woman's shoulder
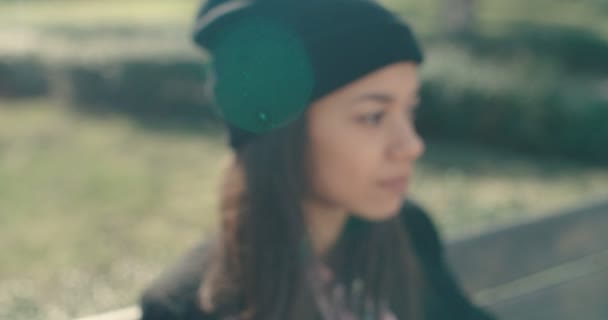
x: 174, y: 294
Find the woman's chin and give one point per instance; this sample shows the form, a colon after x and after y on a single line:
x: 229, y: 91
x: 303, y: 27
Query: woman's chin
x: 380, y: 215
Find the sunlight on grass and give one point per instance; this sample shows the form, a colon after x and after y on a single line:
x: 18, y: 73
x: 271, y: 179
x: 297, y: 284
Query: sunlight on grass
x: 469, y: 189
x: 494, y: 15
x: 90, y: 198
x: 139, y: 12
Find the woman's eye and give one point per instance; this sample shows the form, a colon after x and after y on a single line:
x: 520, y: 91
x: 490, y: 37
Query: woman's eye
x: 376, y: 117
x: 373, y: 118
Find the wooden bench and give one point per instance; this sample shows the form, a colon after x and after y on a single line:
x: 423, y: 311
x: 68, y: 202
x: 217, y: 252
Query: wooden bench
x: 550, y: 268
x: 554, y: 267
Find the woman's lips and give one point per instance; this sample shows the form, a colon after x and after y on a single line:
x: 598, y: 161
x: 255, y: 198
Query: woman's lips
x: 398, y: 185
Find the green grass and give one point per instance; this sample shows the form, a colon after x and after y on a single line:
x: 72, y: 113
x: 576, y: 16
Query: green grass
x: 93, y: 208
x: 91, y: 12
x: 470, y: 189
x: 90, y: 198
x: 68, y: 29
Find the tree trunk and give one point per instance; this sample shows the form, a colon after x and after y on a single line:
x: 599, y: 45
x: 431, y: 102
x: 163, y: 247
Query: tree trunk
x: 458, y: 16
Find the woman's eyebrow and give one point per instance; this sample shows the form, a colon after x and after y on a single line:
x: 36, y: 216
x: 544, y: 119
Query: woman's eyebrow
x: 380, y: 97
x: 383, y: 98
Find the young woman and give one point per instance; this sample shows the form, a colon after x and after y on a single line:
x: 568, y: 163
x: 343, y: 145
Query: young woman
x: 319, y: 99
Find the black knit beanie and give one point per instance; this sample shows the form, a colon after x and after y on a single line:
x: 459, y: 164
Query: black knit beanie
x: 273, y: 58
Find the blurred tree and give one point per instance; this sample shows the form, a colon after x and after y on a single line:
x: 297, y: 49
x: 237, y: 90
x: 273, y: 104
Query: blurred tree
x: 458, y: 16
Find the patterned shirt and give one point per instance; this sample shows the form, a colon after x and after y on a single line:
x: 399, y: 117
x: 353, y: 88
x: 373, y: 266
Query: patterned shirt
x: 331, y: 298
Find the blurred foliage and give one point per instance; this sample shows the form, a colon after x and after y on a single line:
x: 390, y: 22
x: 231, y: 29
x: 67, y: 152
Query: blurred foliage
x: 577, y: 50
x: 529, y: 81
x: 522, y: 103
x: 144, y: 88
x: 23, y: 77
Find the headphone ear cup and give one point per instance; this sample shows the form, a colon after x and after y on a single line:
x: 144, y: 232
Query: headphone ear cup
x: 264, y: 77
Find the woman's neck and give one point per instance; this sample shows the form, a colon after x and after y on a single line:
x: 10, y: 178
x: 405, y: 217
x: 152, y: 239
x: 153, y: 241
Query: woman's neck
x: 325, y: 224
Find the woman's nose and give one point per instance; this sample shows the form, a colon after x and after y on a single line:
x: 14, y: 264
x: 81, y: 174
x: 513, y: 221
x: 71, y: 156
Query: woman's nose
x: 407, y: 144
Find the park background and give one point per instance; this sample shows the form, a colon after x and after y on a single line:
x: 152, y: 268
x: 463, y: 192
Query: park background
x: 110, y: 155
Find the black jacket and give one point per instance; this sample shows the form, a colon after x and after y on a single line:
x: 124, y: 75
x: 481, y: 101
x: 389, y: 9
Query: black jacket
x: 172, y: 296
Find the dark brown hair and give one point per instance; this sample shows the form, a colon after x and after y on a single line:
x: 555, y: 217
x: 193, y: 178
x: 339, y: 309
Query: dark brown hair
x: 257, y: 266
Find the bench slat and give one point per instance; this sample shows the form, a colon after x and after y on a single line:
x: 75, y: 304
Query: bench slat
x: 549, y: 278
x: 584, y: 298
x: 514, y: 252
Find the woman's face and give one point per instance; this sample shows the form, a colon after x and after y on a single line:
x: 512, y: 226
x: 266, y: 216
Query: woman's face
x: 363, y: 135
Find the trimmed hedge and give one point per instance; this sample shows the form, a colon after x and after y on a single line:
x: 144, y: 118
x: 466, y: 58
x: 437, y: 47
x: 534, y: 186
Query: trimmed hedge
x: 574, y: 49
x: 524, y: 104
x: 519, y: 99
x: 23, y: 77
x: 142, y: 87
